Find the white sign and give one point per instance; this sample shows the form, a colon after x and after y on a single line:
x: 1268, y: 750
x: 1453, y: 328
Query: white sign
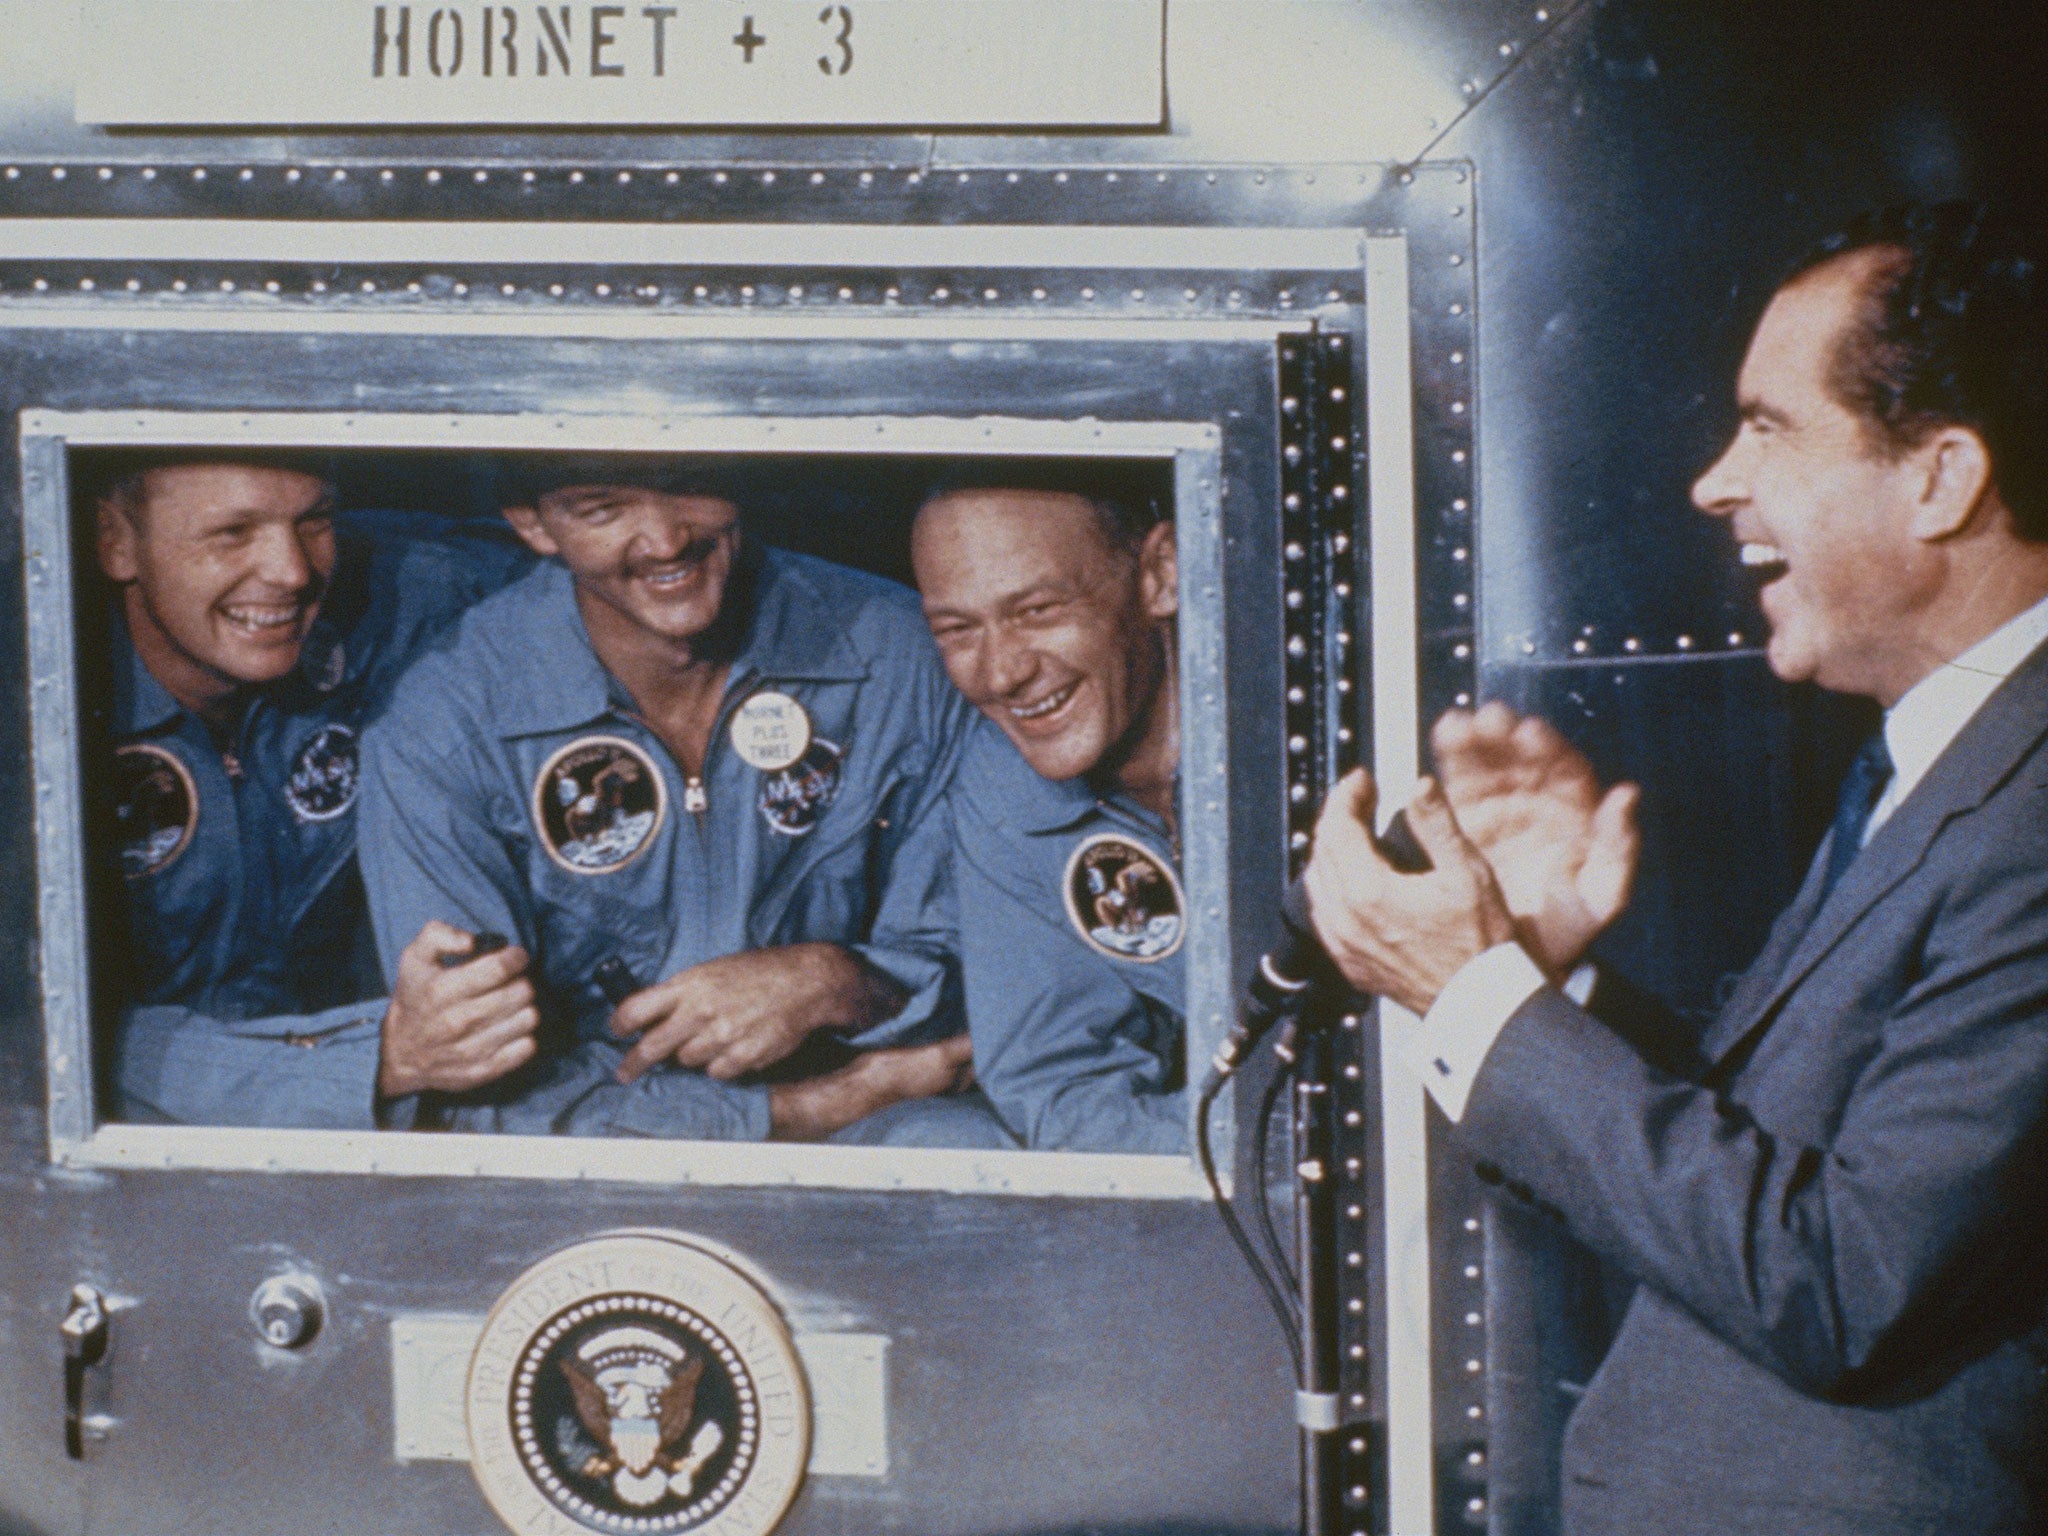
x: 651, y: 63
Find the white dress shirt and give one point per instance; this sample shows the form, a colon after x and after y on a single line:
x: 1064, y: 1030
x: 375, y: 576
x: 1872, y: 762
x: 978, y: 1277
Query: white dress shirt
x: 1476, y: 1004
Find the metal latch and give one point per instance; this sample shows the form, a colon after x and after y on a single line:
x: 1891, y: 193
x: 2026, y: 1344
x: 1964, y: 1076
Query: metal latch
x: 85, y: 1344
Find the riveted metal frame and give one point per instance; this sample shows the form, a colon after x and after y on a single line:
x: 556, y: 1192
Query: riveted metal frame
x: 75, y: 1139
x: 1444, y: 334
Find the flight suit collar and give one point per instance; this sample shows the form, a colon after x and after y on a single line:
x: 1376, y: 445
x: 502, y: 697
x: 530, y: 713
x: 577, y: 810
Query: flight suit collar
x: 1048, y: 806
x: 142, y: 705
x: 791, y: 635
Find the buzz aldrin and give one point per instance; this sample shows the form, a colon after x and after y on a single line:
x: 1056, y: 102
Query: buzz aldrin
x: 1052, y: 594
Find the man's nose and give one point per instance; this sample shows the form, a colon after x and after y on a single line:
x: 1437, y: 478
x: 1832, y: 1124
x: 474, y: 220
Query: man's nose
x: 1721, y: 489
x: 282, y: 560
x: 1007, y: 664
x: 659, y: 533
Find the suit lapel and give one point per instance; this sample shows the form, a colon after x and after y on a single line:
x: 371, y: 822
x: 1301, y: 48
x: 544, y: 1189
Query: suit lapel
x: 1984, y: 754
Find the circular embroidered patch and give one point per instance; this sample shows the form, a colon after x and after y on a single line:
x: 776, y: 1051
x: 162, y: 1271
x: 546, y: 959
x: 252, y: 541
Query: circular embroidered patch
x: 770, y: 731
x: 324, y: 778
x: 156, y: 808
x: 597, y: 804
x: 1123, y: 900
x: 637, y: 1385
x: 794, y: 799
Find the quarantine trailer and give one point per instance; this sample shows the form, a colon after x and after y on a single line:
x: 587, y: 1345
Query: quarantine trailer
x: 1427, y: 314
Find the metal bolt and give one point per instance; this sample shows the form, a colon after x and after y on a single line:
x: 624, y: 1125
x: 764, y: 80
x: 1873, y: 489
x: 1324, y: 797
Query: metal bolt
x: 287, y: 1310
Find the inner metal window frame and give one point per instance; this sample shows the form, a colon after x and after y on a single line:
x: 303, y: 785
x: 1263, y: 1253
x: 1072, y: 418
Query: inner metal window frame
x: 77, y: 1138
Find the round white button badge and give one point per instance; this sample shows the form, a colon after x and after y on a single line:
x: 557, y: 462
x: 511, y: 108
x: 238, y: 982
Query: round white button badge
x: 770, y: 731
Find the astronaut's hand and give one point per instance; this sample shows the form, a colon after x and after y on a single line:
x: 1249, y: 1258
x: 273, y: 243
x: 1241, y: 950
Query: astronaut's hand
x: 455, y: 1027
x: 812, y: 1109
x: 1563, y: 851
x: 1396, y: 935
x: 740, y: 1013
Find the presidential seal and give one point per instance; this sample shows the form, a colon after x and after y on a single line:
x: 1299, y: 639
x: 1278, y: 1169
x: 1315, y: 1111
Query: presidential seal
x: 323, y: 781
x: 1123, y: 900
x: 794, y: 798
x: 156, y: 808
x: 597, y: 804
x: 638, y: 1385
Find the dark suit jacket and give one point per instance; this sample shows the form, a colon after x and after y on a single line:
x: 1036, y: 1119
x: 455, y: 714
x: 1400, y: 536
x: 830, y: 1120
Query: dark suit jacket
x: 1833, y: 1199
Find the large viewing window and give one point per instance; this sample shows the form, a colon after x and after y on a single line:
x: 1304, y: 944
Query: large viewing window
x: 118, y: 809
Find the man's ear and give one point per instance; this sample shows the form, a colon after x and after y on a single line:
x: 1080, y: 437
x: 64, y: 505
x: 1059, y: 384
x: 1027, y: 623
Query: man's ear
x: 115, y: 540
x: 1159, y: 572
x: 1955, y: 480
x: 526, y: 523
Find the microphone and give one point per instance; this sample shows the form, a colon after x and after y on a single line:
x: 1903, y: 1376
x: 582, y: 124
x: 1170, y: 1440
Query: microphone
x: 1292, y: 970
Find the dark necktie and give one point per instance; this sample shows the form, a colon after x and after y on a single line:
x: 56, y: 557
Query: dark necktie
x: 1860, y: 791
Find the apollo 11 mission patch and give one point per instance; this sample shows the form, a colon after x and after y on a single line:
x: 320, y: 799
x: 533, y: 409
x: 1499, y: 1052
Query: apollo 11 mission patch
x: 597, y: 804
x: 1124, y: 901
x: 156, y: 808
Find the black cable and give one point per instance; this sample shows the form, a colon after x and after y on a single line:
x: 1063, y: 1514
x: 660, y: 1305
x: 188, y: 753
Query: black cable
x: 1263, y: 1190
x: 1275, y: 1297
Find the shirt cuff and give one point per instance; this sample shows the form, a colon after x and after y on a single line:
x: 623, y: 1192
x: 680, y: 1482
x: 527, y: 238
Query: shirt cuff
x: 1468, y: 1015
x: 1579, y: 985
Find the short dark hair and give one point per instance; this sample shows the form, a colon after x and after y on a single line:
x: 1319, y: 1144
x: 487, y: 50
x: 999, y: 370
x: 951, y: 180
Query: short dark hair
x: 523, y: 478
x: 1130, y: 496
x: 117, y: 476
x: 1953, y: 332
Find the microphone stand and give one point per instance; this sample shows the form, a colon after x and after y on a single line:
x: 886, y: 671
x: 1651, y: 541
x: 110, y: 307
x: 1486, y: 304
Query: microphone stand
x: 1305, y: 1048
x: 1295, y: 990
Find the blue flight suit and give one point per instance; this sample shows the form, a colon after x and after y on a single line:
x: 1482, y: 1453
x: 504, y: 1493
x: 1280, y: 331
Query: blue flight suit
x: 252, y: 975
x: 512, y: 786
x: 1078, y: 1028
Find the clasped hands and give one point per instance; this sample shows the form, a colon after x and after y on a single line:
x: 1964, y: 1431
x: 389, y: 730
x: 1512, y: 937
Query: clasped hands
x: 457, y: 1021
x: 1525, y: 847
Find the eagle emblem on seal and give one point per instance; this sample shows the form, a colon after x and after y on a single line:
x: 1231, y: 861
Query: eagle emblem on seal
x: 635, y: 1393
